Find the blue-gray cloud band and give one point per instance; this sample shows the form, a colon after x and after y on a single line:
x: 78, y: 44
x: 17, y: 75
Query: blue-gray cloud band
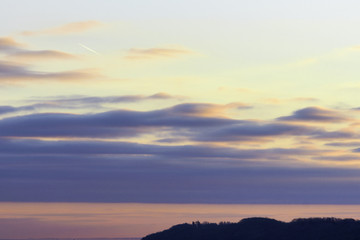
x: 118, y: 170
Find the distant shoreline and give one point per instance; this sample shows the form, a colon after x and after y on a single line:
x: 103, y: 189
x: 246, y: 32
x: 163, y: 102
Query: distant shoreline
x: 70, y: 238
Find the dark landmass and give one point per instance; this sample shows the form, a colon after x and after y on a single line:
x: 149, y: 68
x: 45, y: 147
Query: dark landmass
x: 71, y: 239
x: 264, y: 229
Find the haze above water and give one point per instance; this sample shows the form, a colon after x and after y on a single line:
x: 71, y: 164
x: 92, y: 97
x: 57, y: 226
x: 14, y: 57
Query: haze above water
x: 97, y: 220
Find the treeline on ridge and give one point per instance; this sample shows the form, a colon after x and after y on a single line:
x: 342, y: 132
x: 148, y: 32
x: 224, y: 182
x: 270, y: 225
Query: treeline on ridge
x: 264, y: 229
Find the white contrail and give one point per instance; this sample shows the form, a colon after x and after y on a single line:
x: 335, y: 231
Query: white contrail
x: 89, y: 49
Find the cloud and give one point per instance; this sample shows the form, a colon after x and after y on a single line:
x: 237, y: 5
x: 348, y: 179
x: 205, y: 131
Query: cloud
x: 40, y: 55
x: 7, y: 109
x: 163, y: 95
x: 315, y: 114
x: 195, y: 121
x: 171, y: 179
x: 206, y: 109
x: 8, y: 44
x: 11, y: 109
x: 343, y: 144
x: 81, y: 102
x: 112, y: 99
x: 339, y: 134
x: 356, y: 150
x: 340, y: 158
x: 11, y: 72
x: 262, y: 131
x: 16, y: 51
x: 74, y: 27
x: 298, y: 99
x: 305, y: 99
x: 31, y: 107
x: 250, y: 130
x: 90, y: 148
x: 106, y: 125
x: 95, y: 101
x: 138, y: 53
x: 189, y: 166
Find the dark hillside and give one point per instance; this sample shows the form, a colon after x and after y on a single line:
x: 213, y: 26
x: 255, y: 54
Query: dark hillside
x: 264, y: 229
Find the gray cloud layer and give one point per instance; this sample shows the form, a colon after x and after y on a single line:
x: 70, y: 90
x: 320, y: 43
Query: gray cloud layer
x: 114, y: 170
x: 107, y: 124
x: 190, y: 120
x: 162, y: 177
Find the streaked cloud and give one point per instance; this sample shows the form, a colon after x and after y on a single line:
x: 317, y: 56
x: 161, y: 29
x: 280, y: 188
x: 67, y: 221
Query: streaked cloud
x: 183, y: 174
x: 98, y: 102
x: 252, y: 130
x: 343, y: 144
x: 207, y: 109
x: 81, y: 102
x: 197, y: 122
x: 341, y: 158
x: 30, y: 55
x: 13, y: 72
x: 74, y: 27
x: 316, y: 114
x: 17, y: 51
x: 36, y: 147
x: 11, y: 109
x: 163, y: 95
x: 149, y: 53
x: 285, y: 101
x: 338, y: 134
x: 106, y: 125
x: 9, y: 44
x: 7, y: 109
x: 85, y: 100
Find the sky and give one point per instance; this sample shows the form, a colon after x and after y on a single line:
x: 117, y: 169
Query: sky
x: 177, y: 102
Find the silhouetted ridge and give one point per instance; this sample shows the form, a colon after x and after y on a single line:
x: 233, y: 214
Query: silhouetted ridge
x: 264, y: 229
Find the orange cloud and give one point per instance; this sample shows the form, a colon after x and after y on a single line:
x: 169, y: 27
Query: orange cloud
x: 139, y: 53
x: 207, y: 109
x: 74, y: 27
x: 13, y: 72
x: 297, y: 99
x: 7, y: 43
x: 41, y: 55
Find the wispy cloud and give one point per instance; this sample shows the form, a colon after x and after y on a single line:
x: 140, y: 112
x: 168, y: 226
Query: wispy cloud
x: 316, y: 114
x: 11, y: 109
x: 97, y: 101
x: 285, y: 101
x: 30, y: 55
x: 110, y: 124
x: 18, y: 51
x: 148, y: 53
x: 12, y: 72
x: 82, y: 102
x: 8, y: 44
x: 207, y: 109
x: 252, y: 130
x: 343, y: 144
x: 74, y: 27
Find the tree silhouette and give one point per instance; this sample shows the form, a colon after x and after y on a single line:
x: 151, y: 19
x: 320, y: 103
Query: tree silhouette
x: 264, y: 229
